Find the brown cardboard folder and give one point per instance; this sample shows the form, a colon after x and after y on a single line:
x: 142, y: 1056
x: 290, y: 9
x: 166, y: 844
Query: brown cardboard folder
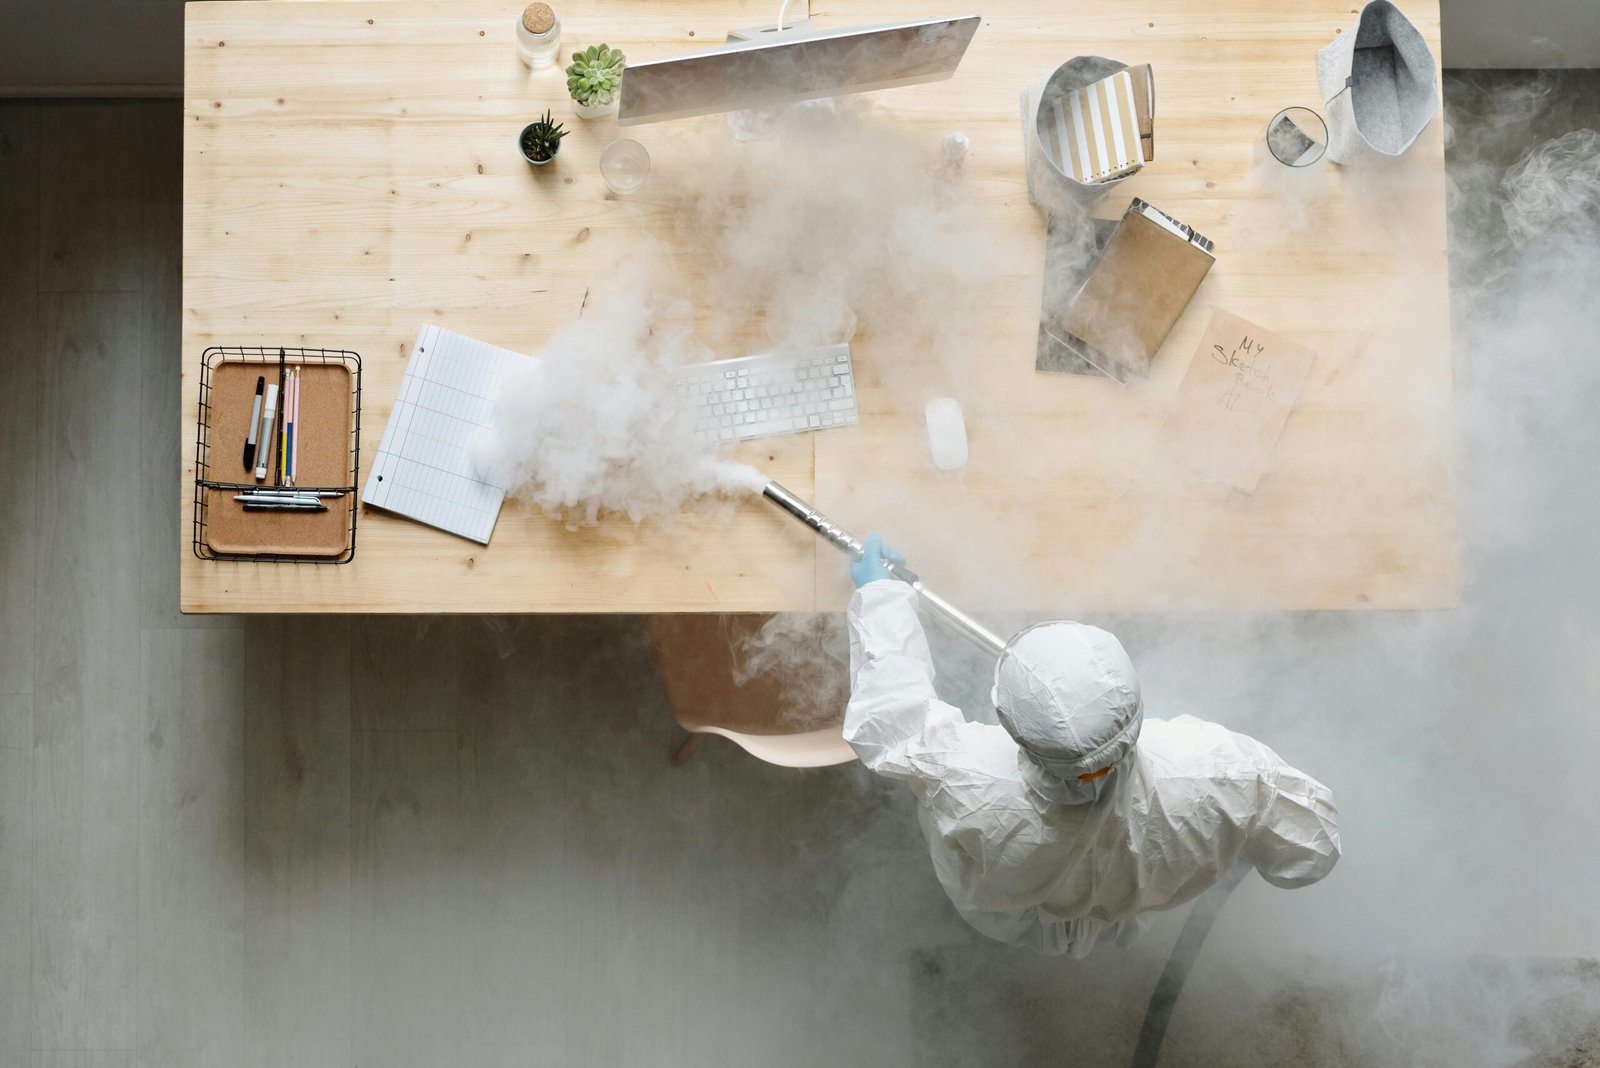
x: 1134, y: 294
x: 324, y: 463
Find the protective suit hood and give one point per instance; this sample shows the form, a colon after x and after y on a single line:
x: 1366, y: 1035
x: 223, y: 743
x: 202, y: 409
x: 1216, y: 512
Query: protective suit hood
x: 1068, y: 694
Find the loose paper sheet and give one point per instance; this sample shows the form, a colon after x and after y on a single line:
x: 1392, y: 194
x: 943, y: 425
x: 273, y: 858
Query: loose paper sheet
x: 1242, y: 383
x: 424, y: 467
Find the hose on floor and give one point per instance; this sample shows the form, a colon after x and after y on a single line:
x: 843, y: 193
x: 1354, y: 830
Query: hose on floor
x: 1165, y: 996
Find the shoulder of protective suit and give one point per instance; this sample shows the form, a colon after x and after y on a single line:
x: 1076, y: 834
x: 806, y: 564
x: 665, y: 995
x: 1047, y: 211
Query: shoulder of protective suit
x: 1188, y: 745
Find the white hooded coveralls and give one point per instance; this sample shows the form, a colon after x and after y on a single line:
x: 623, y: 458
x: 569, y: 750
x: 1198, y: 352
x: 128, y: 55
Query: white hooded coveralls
x: 1180, y: 809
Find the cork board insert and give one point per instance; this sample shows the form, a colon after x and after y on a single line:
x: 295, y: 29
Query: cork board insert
x: 323, y: 434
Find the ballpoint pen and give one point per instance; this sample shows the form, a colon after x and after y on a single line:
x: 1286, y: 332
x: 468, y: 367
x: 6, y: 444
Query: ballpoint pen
x: 268, y: 493
x: 285, y: 506
x: 256, y: 498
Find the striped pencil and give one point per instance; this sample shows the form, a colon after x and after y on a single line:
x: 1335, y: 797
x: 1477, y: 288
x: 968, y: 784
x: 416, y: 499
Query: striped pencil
x: 294, y: 416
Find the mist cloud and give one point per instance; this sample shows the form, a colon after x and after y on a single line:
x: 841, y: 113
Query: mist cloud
x: 835, y: 226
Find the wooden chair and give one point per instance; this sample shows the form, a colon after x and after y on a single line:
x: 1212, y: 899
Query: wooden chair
x: 698, y: 657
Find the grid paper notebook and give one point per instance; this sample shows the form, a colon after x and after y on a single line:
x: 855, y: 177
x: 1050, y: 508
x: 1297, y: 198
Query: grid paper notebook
x: 424, y: 469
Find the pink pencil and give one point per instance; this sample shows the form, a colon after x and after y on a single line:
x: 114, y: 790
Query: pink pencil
x: 297, y: 426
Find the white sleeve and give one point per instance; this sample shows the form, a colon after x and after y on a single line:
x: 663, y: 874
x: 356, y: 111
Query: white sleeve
x: 895, y: 722
x: 1295, y: 841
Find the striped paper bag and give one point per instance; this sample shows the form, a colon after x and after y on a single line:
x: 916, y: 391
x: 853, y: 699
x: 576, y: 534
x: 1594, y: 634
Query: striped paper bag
x: 1094, y: 132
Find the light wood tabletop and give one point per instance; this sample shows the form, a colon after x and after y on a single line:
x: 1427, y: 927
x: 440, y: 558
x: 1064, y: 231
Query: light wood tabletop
x: 350, y: 173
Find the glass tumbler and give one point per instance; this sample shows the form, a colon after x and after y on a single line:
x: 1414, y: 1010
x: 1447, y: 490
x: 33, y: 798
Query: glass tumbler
x: 624, y: 165
x: 1297, y: 137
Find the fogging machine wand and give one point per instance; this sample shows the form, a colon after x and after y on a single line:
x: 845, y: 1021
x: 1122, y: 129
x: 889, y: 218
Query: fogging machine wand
x: 846, y: 542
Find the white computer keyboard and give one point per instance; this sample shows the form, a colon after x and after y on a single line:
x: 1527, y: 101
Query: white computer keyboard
x: 760, y: 396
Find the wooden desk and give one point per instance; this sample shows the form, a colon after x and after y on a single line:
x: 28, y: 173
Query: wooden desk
x: 350, y: 173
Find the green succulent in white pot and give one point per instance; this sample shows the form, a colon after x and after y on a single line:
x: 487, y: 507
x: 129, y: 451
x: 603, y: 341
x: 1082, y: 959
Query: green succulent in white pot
x: 594, y: 79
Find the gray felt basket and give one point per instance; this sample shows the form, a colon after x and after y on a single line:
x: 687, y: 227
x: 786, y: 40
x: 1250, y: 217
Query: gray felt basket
x: 1378, y: 81
x: 1048, y: 185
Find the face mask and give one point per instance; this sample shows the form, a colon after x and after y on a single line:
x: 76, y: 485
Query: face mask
x: 1073, y: 791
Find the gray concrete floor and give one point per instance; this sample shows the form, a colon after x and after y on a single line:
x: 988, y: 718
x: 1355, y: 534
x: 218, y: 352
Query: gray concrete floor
x: 319, y: 842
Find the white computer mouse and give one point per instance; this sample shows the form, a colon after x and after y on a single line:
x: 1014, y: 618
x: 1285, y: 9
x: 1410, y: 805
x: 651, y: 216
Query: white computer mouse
x: 947, y: 433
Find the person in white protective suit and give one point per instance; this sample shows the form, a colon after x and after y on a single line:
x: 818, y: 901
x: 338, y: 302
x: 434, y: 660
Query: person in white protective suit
x: 1075, y: 815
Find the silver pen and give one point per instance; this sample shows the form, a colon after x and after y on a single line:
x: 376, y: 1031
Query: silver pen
x: 264, y: 493
x: 282, y: 504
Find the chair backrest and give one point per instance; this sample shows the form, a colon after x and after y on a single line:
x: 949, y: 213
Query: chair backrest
x: 704, y: 662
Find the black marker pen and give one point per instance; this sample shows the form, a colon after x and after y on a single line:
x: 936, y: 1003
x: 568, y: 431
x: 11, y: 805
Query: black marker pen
x: 255, y: 422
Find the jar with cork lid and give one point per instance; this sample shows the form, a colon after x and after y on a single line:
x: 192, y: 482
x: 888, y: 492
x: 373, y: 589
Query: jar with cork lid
x: 538, y: 35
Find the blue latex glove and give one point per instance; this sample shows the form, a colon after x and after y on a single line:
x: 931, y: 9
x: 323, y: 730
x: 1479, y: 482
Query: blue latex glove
x: 870, y: 567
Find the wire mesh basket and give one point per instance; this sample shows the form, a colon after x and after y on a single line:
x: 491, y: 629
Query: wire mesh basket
x: 280, y: 358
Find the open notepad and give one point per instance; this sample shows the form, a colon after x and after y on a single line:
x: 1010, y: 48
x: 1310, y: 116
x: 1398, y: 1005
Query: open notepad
x: 424, y: 468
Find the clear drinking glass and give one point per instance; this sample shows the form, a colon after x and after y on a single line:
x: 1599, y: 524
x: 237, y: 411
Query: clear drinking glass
x: 1297, y: 137
x: 624, y: 165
